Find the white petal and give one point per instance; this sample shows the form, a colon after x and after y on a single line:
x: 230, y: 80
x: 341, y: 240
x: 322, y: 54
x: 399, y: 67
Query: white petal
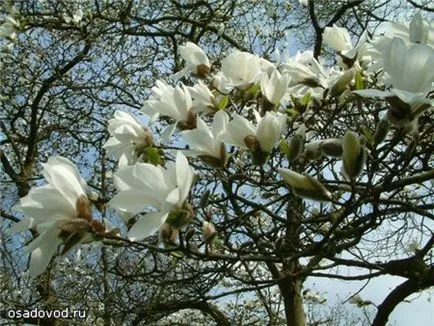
x: 134, y: 201
x: 394, y: 58
x: 62, y: 174
x: 220, y: 124
x: 47, y: 203
x: 372, y: 93
x: 168, y: 132
x: 184, y: 176
x: 268, y: 131
x: 40, y: 258
x: 147, y: 225
x: 23, y: 225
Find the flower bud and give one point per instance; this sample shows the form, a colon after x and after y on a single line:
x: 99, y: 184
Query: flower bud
x: 296, y: 144
x: 72, y: 232
x: 418, y: 30
x: 204, y: 199
x: 251, y: 142
x: 190, y: 123
x: 209, y: 232
x: 312, y: 151
x: 168, y: 234
x: 97, y: 228
x: 202, y: 71
x: 332, y: 147
x: 181, y: 217
x: 342, y: 83
x: 381, y: 131
x: 354, y: 155
x: 305, y: 185
x: 216, y: 162
x: 83, y: 208
x: 399, y: 113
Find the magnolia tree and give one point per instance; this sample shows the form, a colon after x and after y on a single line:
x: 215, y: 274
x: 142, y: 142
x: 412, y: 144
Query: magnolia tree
x: 235, y: 182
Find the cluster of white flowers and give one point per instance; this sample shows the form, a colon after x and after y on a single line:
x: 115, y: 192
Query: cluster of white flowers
x: 220, y: 109
x: 405, y: 56
x: 8, y: 32
x: 59, y: 211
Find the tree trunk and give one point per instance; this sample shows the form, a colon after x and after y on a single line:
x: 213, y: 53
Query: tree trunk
x: 293, y: 301
x: 290, y: 286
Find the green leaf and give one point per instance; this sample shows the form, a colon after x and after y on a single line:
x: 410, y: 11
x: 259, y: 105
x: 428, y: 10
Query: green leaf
x: 284, y: 147
x: 360, y: 83
x: 177, y: 254
x: 292, y: 113
x: 368, y: 134
x: 223, y: 102
x: 306, y: 99
x: 153, y: 156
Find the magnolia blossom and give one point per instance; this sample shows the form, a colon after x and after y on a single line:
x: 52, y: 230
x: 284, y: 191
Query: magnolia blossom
x: 128, y: 138
x: 305, y: 69
x: 160, y: 88
x: 417, y: 31
x: 241, y: 132
x: 409, y: 68
x: 175, y: 103
x: 59, y: 211
x: 410, y: 75
x: 203, y: 99
x: 275, y: 86
x: 339, y: 39
x: 162, y: 191
x: 196, y: 59
x: 242, y: 69
x: 207, y: 143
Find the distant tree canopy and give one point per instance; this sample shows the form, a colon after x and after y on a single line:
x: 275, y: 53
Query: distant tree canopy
x: 273, y: 166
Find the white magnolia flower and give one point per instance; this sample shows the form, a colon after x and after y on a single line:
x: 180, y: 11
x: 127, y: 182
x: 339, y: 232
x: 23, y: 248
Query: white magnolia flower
x: 163, y: 190
x: 409, y: 67
x: 203, y: 99
x: 275, y: 86
x: 305, y: 69
x: 157, y: 92
x: 410, y: 75
x: 196, y: 59
x: 267, y: 66
x: 128, y: 138
x: 175, y: 103
x: 242, y: 69
x: 267, y: 132
x: 160, y: 88
x: 417, y: 31
x: 59, y: 211
x: 222, y: 83
x: 337, y: 38
x: 207, y: 143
